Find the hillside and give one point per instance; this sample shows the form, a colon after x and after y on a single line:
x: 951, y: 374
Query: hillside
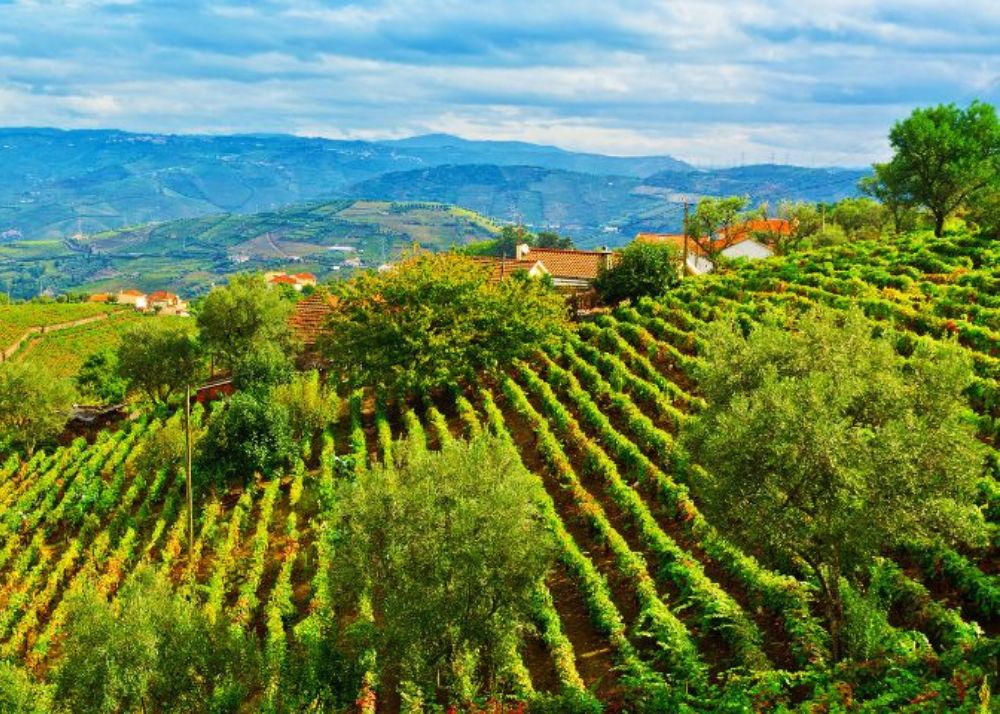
x: 187, y: 255
x: 646, y: 595
x: 602, y: 209
x: 56, y: 183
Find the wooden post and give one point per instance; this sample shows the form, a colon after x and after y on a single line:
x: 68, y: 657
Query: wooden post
x: 190, y: 490
x: 684, y: 265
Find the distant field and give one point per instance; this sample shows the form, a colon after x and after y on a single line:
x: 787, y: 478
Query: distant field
x: 15, y: 320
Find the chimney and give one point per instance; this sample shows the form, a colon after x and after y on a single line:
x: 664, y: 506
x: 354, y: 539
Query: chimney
x: 607, y: 258
x: 521, y: 251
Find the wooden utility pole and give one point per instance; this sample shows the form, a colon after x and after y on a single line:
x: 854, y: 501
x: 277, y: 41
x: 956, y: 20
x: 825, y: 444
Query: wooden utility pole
x: 685, y: 263
x: 190, y: 489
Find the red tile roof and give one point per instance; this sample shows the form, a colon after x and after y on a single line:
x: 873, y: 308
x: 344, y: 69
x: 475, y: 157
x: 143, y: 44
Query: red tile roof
x: 99, y: 297
x: 132, y: 293
x: 570, y: 264
x: 162, y: 296
x: 674, y: 239
x: 308, y: 321
x: 773, y: 226
x: 283, y: 280
x: 305, y: 276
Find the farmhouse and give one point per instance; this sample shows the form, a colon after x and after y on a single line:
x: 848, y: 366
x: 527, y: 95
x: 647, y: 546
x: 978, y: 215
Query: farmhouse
x: 572, y: 271
x: 166, y: 303
x: 134, y: 298
x: 741, y: 245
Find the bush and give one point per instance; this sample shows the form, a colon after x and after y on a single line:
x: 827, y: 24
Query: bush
x: 150, y: 651
x: 311, y: 406
x: 251, y: 436
x: 641, y: 269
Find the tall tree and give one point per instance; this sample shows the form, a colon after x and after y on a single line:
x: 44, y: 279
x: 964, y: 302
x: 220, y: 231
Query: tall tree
x: 551, y: 239
x: 944, y: 156
x: 159, y: 359
x: 888, y: 187
x: 715, y: 223
x: 448, y: 547
x: 34, y: 406
x: 823, y: 446
x: 241, y: 315
x: 435, y: 319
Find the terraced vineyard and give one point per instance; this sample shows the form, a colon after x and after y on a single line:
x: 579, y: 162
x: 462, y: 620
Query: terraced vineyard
x: 647, y: 599
x: 16, y: 320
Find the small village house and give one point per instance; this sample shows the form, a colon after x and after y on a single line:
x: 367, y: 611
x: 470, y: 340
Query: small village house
x: 748, y: 240
x: 135, y: 298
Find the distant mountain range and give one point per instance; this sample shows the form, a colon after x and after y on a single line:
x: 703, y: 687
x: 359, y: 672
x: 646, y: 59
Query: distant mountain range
x: 54, y: 183
x: 598, y: 209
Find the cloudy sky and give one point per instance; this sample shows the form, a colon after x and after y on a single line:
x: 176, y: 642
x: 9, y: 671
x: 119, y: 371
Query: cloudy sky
x: 710, y: 81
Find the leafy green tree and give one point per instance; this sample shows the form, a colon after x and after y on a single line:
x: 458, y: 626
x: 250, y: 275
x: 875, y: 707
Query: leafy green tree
x: 640, y: 269
x: 551, y: 239
x: 251, y: 436
x: 310, y: 404
x: 435, y: 319
x: 448, y: 547
x: 34, y: 405
x: 262, y: 367
x: 99, y: 376
x: 805, y: 221
x: 824, y: 447
x: 510, y: 237
x: 159, y: 359
x: 861, y: 218
x: 242, y: 315
x: 944, y: 157
x: 150, y: 651
x: 888, y: 187
x: 714, y: 223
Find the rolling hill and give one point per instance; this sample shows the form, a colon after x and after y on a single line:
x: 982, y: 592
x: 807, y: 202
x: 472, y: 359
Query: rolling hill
x: 188, y: 255
x: 602, y: 209
x: 648, y: 597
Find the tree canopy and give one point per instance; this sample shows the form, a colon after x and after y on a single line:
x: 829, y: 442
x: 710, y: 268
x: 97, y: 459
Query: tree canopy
x: 159, y: 359
x: 434, y: 319
x: 34, y: 406
x: 640, y: 269
x: 448, y: 547
x: 242, y: 315
x: 944, y: 157
x: 712, y: 223
x: 823, y: 446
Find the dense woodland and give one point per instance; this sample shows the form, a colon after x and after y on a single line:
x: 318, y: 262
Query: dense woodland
x: 775, y: 487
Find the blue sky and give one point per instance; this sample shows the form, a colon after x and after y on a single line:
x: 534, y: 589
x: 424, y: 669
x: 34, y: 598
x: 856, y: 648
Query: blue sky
x: 713, y: 82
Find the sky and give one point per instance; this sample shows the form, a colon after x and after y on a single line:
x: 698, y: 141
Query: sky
x: 714, y: 82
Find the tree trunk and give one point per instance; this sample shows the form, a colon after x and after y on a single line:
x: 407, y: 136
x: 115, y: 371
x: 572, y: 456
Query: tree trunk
x: 835, y: 614
x: 939, y: 225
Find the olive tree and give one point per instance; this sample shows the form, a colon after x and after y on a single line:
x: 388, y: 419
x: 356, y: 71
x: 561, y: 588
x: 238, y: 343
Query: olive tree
x: 448, y: 547
x: 824, y: 447
x: 34, y: 406
x: 435, y: 319
x: 242, y: 315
